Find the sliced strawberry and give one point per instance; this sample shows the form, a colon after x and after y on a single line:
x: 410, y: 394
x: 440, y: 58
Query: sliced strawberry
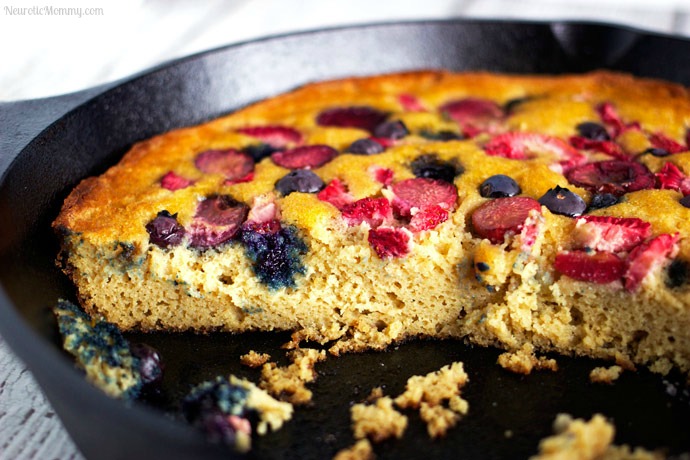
x: 610, y: 117
x: 264, y: 209
x: 273, y: 135
x: 594, y: 267
x: 522, y: 146
x: 612, y: 234
x: 428, y: 218
x: 336, y: 194
x: 411, y: 103
x: 362, y: 117
x: 607, y: 147
x: 217, y: 220
x: 305, y: 157
x: 501, y: 217
x: 474, y: 115
x: 374, y: 211
x: 661, y: 141
x: 234, y: 165
x: 671, y: 177
x: 648, y: 257
x: 612, y: 176
x: 389, y: 242
x: 422, y: 193
x: 381, y: 175
x: 172, y: 181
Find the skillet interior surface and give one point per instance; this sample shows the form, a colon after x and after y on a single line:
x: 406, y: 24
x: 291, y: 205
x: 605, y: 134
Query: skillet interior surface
x: 508, y: 413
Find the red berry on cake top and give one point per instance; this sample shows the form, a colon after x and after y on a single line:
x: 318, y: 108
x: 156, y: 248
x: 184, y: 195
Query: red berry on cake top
x: 274, y: 135
x: 592, y: 266
x: 362, y: 117
x: 612, y: 176
x: 412, y: 195
x: 217, y: 220
x: 232, y: 164
x: 305, y: 157
x: 502, y: 217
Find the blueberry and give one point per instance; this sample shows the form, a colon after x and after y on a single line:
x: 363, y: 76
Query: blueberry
x: 678, y: 273
x: 391, y: 130
x: 564, y: 202
x: 498, y: 186
x: 259, y: 151
x: 657, y: 152
x: 602, y: 200
x: 150, y: 365
x: 299, y: 180
x: 593, y: 131
x: 443, y: 135
x: 429, y: 166
x: 365, y: 146
x: 685, y: 201
x: 164, y: 231
x: 510, y: 106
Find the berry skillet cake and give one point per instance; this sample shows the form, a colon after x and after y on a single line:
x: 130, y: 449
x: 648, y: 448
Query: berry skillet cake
x: 511, y: 210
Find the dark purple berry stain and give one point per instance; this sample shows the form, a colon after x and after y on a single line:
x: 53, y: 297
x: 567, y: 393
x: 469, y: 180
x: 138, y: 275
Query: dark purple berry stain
x: 259, y: 151
x: 593, y: 131
x: 499, y: 186
x: 685, y: 201
x: 365, y: 146
x: 394, y: 130
x: 362, y: 117
x: 300, y: 180
x: 429, y: 166
x: 677, y: 273
x: 217, y: 220
x: 164, y: 231
x: 657, y: 152
x: 443, y: 135
x: 602, y: 200
x: 276, y: 257
x: 562, y: 201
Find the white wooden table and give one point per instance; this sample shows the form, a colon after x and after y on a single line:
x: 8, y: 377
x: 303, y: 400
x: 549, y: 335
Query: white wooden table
x: 44, y: 55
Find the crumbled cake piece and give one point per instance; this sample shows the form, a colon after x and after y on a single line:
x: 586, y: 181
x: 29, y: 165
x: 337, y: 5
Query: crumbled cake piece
x: 605, y: 374
x: 254, y: 359
x: 523, y: 361
x: 577, y: 439
x: 377, y: 421
x: 438, y: 419
x: 434, y: 388
x: 222, y: 408
x: 361, y: 450
x: 289, y: 383
x: 110, y: 362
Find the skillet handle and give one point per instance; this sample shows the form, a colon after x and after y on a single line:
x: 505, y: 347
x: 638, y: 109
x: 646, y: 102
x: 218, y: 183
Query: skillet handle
x: 21, y: 121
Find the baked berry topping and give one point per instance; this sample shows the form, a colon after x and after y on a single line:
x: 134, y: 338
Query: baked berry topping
x: 671, y: 177
x: 381, y: 175
x: 373, y: 211
x: 474, y: 115
x: 276, y: 256
x: 411, y: 103
x: 590, y: 266
x: 607, y: 147
x: 593, y: 131
x: 647, y: 257
x: 217, y: 220
x: 421, y: 193
x: 562, y: 201
x: 602, y: 200
x: 428, y: 218
x: 362, y: 117
x: 390, y: 242
x: 365, y: 146
x: 164, y: 231
x: 678, y: 273
x: 299, y: 180
x: 612, y: 176
x: 263, y: 210
x: 393, y: 130
x: 431, y: 167
x: 612, y: 234
x: 150, y: 364
x: 276, y: 136
x: 499, y: 186
x: 336, y: 194
x: 613, y: 121
x: 259, y: 151
x: 661, y: 141
x: 685, y: 201
x: 443, y: 135
x: 496, y: 219
x: 512, y: 105
x: 522, y: 146
x: 306, y: 157
x: 234, y: 165
x: 172, y: 181
x: 659, y: 153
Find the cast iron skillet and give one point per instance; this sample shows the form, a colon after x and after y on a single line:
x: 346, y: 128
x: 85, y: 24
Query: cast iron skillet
x: 48, y: 145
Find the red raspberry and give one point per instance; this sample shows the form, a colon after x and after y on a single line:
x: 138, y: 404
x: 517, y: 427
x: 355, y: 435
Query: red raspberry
x: 612, y: 234
x: 610, y: 117
x: 607, y: 147
x: 428, y: 219
x: 496, y: 219
x: 596, y: 267
x: 390, y: 242
x: 661, y: 141
x: 172, y: 181
x: 336, y: 194
x: 381, y: 175
x: 422, y: 193
x: 647, y: 257
x: 671, y: 177
x: 274, y: 135
x: 374, y: 211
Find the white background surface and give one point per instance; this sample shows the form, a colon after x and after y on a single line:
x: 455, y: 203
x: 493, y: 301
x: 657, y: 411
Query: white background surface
x: 49, y: 55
